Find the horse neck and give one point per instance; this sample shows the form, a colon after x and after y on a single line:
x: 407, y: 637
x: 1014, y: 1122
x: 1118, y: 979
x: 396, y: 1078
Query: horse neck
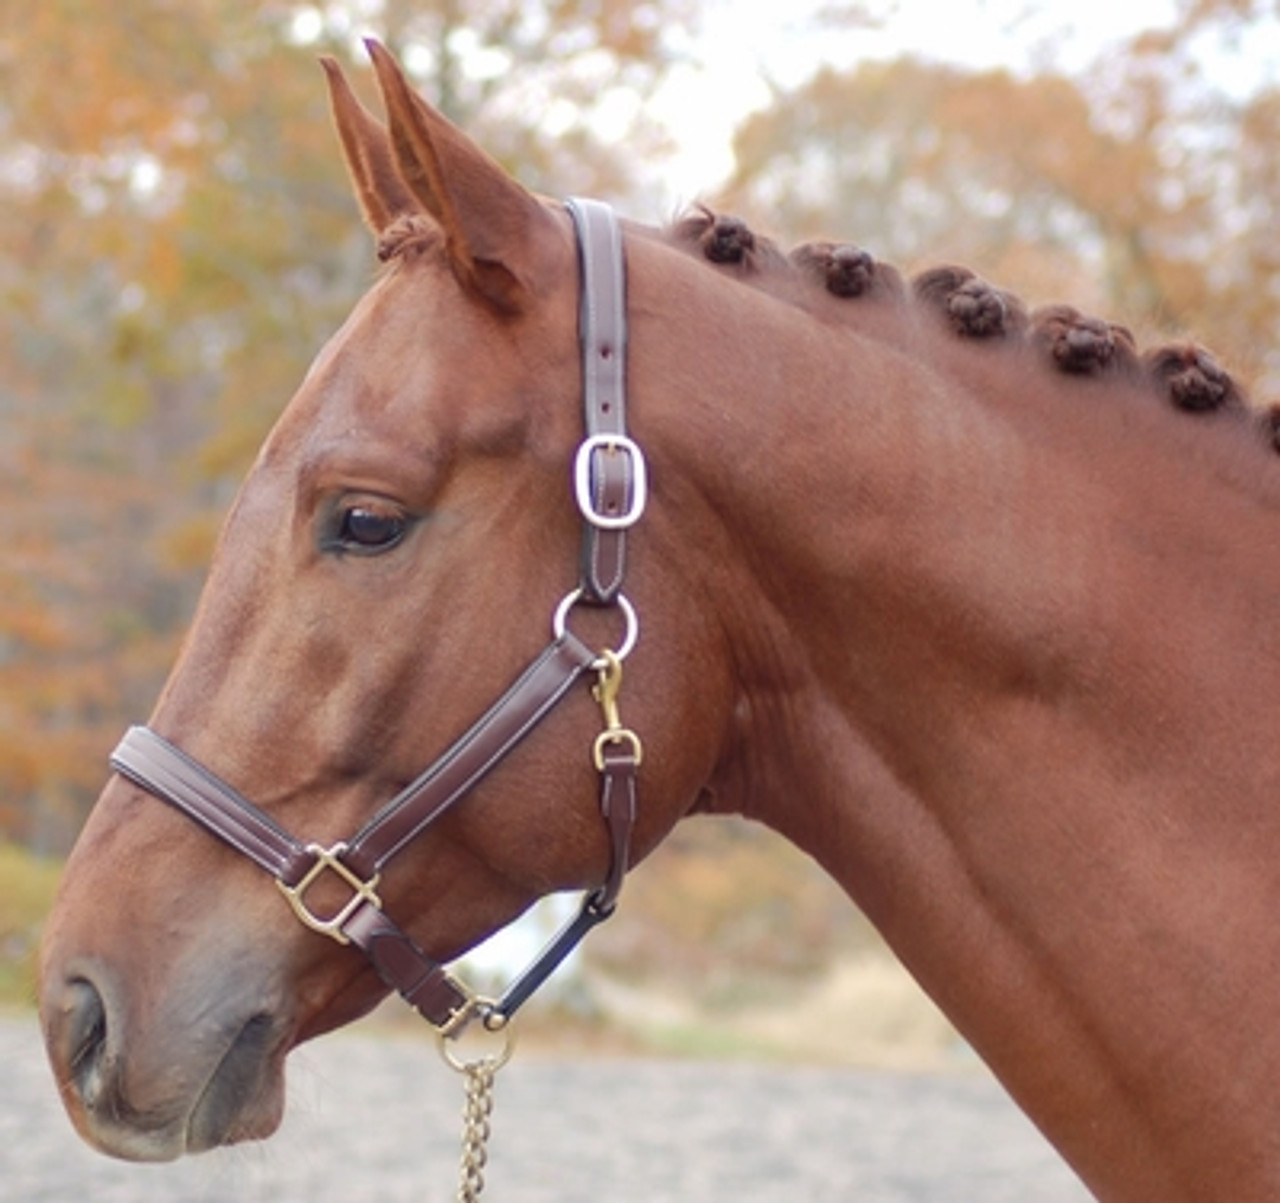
x: 986, y: 674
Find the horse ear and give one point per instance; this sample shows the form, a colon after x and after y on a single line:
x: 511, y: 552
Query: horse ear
x: 367, y: 149
x: 491, y: 224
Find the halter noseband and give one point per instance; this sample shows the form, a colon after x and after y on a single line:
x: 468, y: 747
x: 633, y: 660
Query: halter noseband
x: 611, y: 488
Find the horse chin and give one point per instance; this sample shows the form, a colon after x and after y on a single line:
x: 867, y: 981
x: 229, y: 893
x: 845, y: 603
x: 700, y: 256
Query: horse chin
x: 242, y: 1101
x: 244, y: 1098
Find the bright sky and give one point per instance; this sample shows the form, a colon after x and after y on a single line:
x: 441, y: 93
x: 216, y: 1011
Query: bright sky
x: 746, y: 42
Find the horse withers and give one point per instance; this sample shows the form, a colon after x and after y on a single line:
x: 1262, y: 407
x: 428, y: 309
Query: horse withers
x: 976, y: 605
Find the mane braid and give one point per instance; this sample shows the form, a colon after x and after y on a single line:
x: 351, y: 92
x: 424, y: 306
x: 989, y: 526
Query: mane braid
x: 974, y: 308
x: 407, y: 234
x: 725, y: 240
x: 1085, y: 346
x: 1192, y: 379
x: 1185, y: 376
x: 846, y: 270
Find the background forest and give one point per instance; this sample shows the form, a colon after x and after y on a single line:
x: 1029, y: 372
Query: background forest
x: 177, y: 239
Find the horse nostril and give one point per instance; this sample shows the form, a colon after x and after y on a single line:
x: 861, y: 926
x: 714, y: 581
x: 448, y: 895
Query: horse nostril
x: 86, y: 1034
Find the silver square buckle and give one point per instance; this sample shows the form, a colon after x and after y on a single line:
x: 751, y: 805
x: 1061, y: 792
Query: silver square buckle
x: 613, y: 444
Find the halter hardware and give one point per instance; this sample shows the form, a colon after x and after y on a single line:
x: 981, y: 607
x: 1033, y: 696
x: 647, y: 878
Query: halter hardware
x: 631, y: 632
x: 330, y: 858
x: 605, y: 691
x: 610, y: 444
x: 611, y: 485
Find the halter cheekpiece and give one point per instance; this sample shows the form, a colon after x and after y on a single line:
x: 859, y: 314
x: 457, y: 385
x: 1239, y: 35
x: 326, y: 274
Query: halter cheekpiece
x: 610, y: 486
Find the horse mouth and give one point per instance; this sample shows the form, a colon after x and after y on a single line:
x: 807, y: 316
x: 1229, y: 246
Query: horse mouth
x: 147, y: 1114
x: 244, y: 1096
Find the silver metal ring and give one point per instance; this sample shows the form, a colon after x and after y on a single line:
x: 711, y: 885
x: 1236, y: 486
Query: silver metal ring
x: 559, y: 622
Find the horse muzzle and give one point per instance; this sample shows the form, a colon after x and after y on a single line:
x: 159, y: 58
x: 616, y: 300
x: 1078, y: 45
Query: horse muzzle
x: 207, y: 1075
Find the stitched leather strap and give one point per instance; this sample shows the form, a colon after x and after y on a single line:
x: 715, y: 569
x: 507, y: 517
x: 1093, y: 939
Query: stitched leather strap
x: 422, y: 982
x: 169, y: 773
x: 489, y: 739
x: 611, y: 474
x: 618, y: 804
x: 619, y: 807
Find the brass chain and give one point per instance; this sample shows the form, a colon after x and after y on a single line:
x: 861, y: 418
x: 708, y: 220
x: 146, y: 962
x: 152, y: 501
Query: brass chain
x: 479, y: 1072
x: 476, y: 1128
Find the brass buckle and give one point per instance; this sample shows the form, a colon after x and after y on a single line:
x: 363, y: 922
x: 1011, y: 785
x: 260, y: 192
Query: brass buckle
x: 474, y: 1007
x: 363, y: 891
x: 620, y: 735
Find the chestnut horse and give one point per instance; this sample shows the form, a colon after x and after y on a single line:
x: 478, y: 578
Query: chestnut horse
x: 976, y: 606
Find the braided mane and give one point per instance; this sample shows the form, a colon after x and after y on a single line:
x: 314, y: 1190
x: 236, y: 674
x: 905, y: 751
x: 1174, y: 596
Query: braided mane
x: 1184, y: 374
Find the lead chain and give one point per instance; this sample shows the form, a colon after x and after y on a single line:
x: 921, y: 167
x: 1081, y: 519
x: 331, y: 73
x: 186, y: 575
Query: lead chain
x: 475, y: 1128
x: 479, y: 1072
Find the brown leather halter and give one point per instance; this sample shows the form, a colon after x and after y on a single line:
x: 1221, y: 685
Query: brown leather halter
x: 610, y: 485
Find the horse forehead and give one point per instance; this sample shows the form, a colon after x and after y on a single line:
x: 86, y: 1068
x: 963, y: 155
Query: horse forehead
x: 414, y: 319
x: 406, y: 356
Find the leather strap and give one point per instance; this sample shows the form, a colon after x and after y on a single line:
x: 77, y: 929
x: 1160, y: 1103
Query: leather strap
x: 154, y: 763
x: 618, y: 804
x: 619, y: 807
x: 612, y: 463
x: 422, y: 982
x: 487, y: 741
x: 158, y: 766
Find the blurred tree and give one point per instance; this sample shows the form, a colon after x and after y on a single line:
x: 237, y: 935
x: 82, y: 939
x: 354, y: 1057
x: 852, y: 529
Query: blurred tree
x: 1145, y: 188
x: 177, y: 240
x: 554, y: 90
x: 138, y: 265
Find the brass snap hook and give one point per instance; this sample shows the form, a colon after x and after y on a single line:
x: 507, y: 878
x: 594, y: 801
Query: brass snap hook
x: 605, y: 691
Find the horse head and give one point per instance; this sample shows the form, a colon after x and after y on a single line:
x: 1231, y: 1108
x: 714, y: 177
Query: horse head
x: 394, y: 557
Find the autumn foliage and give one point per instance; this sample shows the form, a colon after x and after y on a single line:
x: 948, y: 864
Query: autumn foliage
x: 1146, y: 187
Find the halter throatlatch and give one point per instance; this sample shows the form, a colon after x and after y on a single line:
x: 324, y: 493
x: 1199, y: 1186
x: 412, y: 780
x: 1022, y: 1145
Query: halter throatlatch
x: 610, y: 485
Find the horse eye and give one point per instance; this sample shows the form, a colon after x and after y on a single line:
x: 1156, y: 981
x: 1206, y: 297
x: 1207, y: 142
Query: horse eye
x: 364, y: 528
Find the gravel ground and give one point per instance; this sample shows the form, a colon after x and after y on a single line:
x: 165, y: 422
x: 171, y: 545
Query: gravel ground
x: 377, y: 1118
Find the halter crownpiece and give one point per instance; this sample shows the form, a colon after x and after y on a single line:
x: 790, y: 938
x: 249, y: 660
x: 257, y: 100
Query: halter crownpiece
x: 610, y: 483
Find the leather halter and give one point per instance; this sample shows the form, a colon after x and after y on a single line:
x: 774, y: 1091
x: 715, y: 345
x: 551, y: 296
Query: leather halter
x: 611, y: 488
